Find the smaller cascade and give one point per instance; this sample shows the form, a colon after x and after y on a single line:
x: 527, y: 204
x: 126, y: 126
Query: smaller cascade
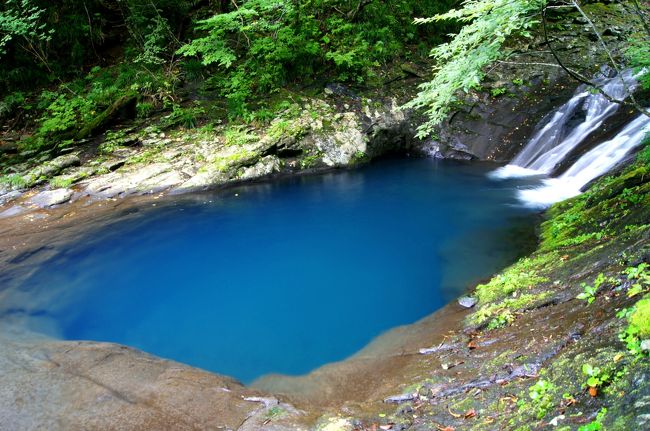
x: 553, y: 140
x: 591, y: 165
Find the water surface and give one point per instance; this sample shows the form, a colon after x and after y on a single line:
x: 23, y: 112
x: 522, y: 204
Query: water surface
x: 286, y: 276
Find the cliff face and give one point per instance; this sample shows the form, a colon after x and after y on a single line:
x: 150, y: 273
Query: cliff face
x: 493, y: 123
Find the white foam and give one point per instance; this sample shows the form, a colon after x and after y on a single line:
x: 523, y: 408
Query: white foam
x: 553, y: 190
x: 598, y: 161
x: 513, y: 171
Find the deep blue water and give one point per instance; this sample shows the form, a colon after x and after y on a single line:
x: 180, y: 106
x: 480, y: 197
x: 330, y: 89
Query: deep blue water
x: 286, y: 276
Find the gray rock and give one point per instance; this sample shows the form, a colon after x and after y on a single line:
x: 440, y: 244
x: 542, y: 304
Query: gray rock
x: 139, y: 179
x: 467, y: 301
x: 645, y: 345
x: 440, y: 348
x: 12, y: 211
x: 58, y: 385
x: 266, y: 166
x: 335, y: 88
x: 51, y: 168
x: 9, y: 196
x: 50, y: 198
x: 397, y: 399
x: 113, y: 164
x: 60, y: 163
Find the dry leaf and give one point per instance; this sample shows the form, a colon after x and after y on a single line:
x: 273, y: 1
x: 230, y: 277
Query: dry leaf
x: 470, y: 414
x: 593, y: 391
x: 472, y: 345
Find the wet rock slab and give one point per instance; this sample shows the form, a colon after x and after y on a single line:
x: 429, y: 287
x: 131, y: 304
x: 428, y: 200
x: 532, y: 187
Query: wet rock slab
x: 50, y: 198
x: 58, y: 385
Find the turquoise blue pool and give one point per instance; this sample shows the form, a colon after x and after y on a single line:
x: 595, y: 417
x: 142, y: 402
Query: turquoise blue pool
x: 286, y: 276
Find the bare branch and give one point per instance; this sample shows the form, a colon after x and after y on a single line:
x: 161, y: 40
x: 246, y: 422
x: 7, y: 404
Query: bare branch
x: 360, y: 6
x: 528, y: 63
x: 600, y: 38
x: 584, y: 80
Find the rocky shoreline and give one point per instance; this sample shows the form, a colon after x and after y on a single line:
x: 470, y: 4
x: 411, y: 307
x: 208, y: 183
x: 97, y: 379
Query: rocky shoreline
x: 145, y: 161
x: 453, y: 369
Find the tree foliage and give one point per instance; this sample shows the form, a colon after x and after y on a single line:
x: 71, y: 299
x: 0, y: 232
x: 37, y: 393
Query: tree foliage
x: 56, y: 40
x: 21, y: 23
x: 260, y: 45
x: 460, y: 63
x: 64, y: 62
x: 247, y: 48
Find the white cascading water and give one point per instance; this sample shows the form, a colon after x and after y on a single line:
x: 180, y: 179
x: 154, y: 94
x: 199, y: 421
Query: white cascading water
x: 552, y: 142
x: 591, y: 165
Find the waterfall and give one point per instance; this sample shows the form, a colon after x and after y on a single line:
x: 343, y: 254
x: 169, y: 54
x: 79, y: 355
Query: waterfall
x: 552, y: 141
x: 591, y: 165
x: 554, y: 138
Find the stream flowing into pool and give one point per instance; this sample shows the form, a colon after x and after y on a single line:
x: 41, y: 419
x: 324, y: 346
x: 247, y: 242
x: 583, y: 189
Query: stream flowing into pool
x: 285, y: 276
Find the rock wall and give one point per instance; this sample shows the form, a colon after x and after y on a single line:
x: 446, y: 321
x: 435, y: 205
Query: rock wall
x: 494, y: 122
x: 336, y: 131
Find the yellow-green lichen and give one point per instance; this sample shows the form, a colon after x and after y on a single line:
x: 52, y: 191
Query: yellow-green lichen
x: 640, y: 317
x: 523, y: 275
x: 502, y: 313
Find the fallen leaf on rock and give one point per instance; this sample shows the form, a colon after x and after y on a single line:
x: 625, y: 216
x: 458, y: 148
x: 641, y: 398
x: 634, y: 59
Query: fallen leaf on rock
x: 569, y: 401
x: 470, y: 414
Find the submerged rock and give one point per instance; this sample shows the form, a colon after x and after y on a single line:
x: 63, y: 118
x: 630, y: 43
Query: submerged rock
x: 13, y: 210
x: 9, y: 196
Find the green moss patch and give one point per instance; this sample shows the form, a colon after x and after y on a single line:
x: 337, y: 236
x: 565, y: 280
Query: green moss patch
x: 640, y: 318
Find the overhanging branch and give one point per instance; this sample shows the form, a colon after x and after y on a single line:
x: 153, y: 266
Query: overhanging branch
x: 581, y: 78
